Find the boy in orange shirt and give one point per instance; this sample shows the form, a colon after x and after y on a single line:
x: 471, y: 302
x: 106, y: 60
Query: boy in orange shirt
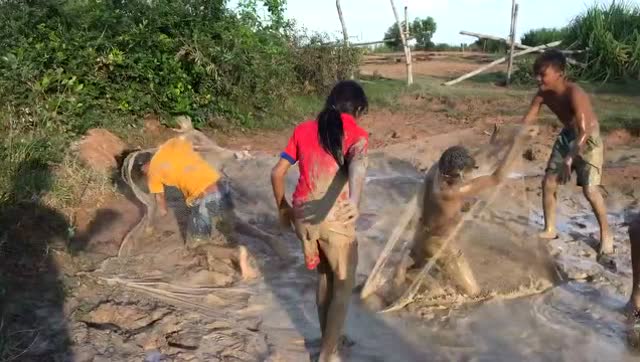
x: 177, y: 164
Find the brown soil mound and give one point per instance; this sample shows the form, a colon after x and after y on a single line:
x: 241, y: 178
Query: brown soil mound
x: 99, y: 149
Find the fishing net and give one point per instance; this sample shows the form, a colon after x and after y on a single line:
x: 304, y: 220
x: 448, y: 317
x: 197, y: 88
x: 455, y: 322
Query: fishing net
x: 494, y: 236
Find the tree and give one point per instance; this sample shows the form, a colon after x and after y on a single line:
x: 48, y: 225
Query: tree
x: 421, y: 29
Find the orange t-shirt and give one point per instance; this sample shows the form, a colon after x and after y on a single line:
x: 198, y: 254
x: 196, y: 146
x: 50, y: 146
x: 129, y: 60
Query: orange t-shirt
x: 177, y: 164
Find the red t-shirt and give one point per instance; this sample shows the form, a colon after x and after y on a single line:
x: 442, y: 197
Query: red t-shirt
x: 314, y: 162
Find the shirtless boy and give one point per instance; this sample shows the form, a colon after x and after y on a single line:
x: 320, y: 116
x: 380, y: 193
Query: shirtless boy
x: 578, y: 147
x: 446, y: 188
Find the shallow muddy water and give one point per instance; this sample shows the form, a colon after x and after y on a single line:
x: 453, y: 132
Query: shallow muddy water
x: 541, y: 301
x: 577, y: 319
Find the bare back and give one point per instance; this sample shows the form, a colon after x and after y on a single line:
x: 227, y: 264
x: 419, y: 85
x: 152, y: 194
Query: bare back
x: 439, y: 215
x: 564, y: 107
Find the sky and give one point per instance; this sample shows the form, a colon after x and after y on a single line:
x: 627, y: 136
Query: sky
x: 367, y: 20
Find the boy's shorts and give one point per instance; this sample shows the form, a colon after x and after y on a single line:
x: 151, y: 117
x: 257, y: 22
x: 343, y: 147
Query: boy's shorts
x: 211, y: 215
x: 588, y: 166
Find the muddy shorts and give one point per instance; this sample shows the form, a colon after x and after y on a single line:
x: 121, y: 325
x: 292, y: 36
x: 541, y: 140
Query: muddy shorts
x: 336, y: 240
x: 426, y: 246
x: 210, y: 215
x: 451, y: 260
x: 588, y: 166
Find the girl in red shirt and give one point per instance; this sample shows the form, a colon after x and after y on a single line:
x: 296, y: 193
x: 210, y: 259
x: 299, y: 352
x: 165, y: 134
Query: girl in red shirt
x: 331, y: 153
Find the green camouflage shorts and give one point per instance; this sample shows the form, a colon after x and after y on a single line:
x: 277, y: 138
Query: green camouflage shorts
x: 588, y: 166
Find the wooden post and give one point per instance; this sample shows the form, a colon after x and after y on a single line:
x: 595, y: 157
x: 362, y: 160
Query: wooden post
x: 345, y: 36
x: 502, y: 60
x: 406, y: 23
x: 407, y: 51
x: 521, y: 46
x: 514, y: 18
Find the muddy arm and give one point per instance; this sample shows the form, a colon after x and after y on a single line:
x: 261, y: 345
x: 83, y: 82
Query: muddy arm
x: 482, y: 183
x: 534, y: 109
x: 278, y: 183
x: 357, y: 171
x: 581, y: 106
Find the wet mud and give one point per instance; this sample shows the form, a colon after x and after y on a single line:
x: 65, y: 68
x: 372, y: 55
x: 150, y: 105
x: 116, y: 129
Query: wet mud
x: 540, y: 301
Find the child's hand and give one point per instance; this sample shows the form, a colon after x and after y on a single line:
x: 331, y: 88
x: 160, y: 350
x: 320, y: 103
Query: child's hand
x: 565, y: 173
x: 285, y: 216
x: 347, y: 212
x: 162, y: 212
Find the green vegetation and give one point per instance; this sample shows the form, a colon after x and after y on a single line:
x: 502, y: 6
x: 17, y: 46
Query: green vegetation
x: 422, y: 29
x: 490, y: 46
x: 543, y: 36
x: 445, y: 47
x: 611, y: 36
x: 609, y: 40
x: 69, y: 65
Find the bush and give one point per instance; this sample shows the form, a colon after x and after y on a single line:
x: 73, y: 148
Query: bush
x: 490, y: 46
x: 319, y: 63
x: 542, y: 36
x: 444, y: 47
x: 76, y: 60
x: 69, y: 65
x: 611, y: 36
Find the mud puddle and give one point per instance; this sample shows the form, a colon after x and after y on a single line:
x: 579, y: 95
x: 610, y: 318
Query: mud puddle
x: 543, y: 301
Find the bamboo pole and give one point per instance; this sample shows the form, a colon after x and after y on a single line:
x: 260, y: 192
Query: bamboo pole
x: 514, y: 19
x: 407, y: 51
x: 501, y: 60
x: 522, y: 46
x: 406, y: 22
x: 376, y: 42
x: 374, y: 280
x: 345, y: 36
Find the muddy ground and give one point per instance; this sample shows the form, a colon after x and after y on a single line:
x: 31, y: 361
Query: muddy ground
x: 162, y: 302
x: 542, y: 301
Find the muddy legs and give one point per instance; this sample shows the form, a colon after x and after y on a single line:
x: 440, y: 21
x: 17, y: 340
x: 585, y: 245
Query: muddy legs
x: 592, y: 194
x: 594, y: 197
x: 334, y: 294
x: 549, y: 201
x: 459, y: 270
x: 634, y: 239
x: 324, y: 291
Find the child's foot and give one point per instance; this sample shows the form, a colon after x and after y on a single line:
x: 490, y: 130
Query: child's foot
x: 606, y: 246
x: 630, y: 310
x: 548, y: 234
x: 607, y: 261
x: 633, y: 332
x: 247, y: 271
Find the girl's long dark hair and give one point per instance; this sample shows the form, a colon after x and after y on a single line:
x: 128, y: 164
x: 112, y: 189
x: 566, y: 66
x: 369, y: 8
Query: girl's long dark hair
x: 345, y: 97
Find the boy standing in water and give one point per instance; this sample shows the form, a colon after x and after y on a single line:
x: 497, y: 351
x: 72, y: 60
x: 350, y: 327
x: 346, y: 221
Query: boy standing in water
x: 578, y: 147
x: 446, y: 188
x: 331, y: 153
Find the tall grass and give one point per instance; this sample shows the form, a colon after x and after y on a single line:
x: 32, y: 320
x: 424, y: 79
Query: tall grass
x: 542, y: 36
x: 611, y: 35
